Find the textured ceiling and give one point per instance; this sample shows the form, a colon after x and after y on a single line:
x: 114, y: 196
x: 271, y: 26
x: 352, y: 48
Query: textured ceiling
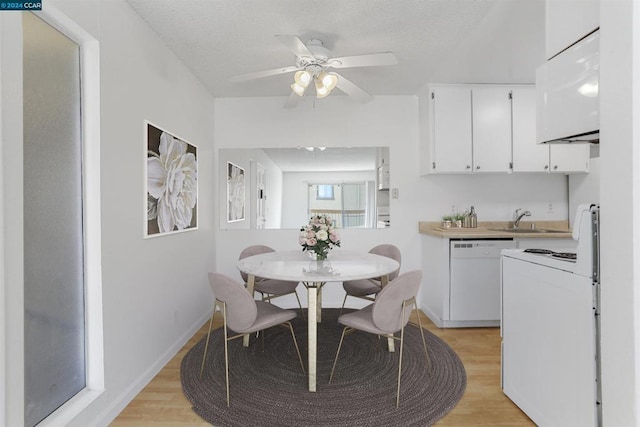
x: 471, y: 41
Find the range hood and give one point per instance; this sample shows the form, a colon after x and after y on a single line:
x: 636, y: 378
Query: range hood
x: 568, y: 107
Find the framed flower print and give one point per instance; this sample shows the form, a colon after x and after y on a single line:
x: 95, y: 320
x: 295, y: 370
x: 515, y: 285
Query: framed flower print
x: 171, y: 173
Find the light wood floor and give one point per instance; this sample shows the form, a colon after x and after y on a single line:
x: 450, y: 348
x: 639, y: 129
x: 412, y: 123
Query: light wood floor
x: 161, y: 402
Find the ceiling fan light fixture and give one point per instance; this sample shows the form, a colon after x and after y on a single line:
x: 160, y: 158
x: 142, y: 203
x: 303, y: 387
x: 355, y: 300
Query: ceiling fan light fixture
x: 298, y: 89
x: 303, y: 78
x: 328, y: 80
x: 321, y: 90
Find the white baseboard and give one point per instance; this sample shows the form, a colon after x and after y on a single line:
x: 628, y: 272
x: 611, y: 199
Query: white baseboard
x: 113, y: 410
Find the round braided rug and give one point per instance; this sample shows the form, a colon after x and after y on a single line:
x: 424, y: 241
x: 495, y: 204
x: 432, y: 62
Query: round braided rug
x: 268, y: 387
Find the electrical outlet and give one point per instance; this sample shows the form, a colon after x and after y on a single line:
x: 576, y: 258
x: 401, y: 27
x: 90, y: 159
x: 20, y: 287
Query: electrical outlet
x: 394, y: 193
x: 550, y: 208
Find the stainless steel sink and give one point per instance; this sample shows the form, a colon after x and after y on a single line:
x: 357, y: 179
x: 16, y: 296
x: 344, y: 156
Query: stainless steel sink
x: 526, y: 230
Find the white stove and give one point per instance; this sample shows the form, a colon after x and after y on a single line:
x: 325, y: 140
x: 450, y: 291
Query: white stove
x: 550, y: 328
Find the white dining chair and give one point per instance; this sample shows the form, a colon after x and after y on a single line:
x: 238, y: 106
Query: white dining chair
x: 243, y: 315
x: 369, y: 288
x: 388, y: 314
x: 269, y: 288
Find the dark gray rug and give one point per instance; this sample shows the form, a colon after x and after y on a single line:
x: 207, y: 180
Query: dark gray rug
x: 268, y: 387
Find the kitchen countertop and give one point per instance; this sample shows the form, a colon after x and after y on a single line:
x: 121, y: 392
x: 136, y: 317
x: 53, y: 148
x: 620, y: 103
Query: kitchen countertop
x: 494, y: 229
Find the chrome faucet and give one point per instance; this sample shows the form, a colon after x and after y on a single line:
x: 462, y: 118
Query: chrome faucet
x: 517, y: 216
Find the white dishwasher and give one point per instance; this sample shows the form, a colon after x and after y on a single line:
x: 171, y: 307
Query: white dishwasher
x: 474, y: 275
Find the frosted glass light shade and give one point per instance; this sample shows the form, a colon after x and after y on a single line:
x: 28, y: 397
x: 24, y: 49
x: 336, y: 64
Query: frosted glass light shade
x: 303, y: 78
x: 328, y: 80
x: 321, y: 90
x: 298, y: 89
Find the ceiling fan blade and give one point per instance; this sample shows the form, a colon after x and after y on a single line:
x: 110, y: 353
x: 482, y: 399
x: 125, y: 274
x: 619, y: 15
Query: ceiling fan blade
x: 368, y: 60
x: 292, y: 101
x: 266, y: 73
x: 352, y: 90
x: 295, y: 45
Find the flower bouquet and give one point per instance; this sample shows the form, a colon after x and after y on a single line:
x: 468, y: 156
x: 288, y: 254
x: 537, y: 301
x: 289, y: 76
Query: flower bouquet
x: 319, y: 236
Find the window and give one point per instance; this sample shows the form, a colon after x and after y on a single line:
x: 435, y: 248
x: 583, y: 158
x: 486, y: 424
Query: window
x: 348, y: 204
x: 325, y: 192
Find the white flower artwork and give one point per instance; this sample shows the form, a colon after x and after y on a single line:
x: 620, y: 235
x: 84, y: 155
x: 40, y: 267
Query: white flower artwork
x: 172, y: 183
x: 235, y: 193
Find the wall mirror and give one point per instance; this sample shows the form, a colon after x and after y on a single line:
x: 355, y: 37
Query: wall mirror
x: 280, y: 188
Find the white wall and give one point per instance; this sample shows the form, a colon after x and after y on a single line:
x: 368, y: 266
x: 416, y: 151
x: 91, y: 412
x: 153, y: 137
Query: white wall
x: 620, y: 208
x: 155, y: 291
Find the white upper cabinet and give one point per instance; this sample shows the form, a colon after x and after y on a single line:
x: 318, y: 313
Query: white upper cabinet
x: 568, y: 21
x: 470, y: 129
x: 527, y: 155
x: 451, y: 135
x: 491, y: 128
x: 569, y: 158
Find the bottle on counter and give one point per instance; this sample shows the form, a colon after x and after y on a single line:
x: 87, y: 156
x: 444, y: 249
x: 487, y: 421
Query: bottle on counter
x: 466, y: 221
x: 473, y: 218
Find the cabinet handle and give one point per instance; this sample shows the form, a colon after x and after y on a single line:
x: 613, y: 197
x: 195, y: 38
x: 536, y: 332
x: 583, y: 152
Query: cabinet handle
x: 555, y: 167
x: 546, y: 167
x: 477, y: 167
x: 468, y: 167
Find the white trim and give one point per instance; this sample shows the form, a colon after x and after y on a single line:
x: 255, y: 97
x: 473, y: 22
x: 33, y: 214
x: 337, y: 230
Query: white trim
x: 3, y: 338
x: 90, y: 102
x: 11, y: 225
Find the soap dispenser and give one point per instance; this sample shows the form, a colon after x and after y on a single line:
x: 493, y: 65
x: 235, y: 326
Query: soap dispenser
x: 473, y: 218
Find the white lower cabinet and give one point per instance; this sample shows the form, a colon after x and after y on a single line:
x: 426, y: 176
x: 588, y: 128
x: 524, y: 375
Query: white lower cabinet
x: 461, y: 279
x: 461, y: 282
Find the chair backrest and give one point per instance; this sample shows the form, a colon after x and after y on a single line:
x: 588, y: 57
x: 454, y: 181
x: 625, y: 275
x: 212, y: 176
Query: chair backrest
x: 390, y: 251
x: 251, y: 251
x: 387, y: 307
x: 241, y: 308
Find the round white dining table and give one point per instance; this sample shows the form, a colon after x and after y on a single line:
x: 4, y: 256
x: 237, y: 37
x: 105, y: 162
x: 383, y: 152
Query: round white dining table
x: 297, y: 266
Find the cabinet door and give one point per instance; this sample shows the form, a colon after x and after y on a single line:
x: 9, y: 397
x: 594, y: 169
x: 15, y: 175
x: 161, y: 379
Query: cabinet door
x: 567, y: 21
x: 528, y: 156
x: 383, y: 177
x: 568, y: 158
x: 451, y: 129
x: 491, y: 129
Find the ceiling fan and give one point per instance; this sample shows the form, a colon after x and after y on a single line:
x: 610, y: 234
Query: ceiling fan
x: 314, y: 64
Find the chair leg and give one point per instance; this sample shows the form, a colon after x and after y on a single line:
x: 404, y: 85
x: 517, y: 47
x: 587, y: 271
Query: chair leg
x: 424, y: 342
x: 344, y: 301
x: 400, y: 360
x: 206, y: 345
x: 295, y: 342
x: 226, y: 351
x: 299, y: 304
x: 400, y: 367
x: 337, y: 354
